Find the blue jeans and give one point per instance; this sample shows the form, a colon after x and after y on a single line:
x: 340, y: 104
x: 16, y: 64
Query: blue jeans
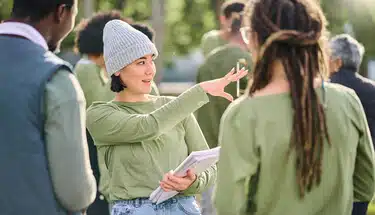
x: 143, y: 206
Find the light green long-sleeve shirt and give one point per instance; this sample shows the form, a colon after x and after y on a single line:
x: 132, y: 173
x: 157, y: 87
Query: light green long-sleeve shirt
x: 96, y: 87
x: 141, y: 141
x: 255, y: 138
x: 65, y: 135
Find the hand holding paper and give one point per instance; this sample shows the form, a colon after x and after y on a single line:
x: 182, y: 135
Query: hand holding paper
x: 171, y: 182
x: 185, y: 174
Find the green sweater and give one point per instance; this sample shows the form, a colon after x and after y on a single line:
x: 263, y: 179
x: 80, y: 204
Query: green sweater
x: 218, y: 63
x: 141, y: 141
x: 254, y: 136
x: 97, y: 87
x: 210, y: 41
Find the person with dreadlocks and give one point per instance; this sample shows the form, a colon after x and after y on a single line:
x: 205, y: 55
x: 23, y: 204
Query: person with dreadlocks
x: 293, y: 144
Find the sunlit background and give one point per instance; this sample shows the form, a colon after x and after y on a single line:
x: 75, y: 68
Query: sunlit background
x: 180, y: 24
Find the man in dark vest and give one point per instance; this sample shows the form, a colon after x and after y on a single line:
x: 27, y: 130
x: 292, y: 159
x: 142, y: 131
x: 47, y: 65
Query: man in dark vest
x: 44, y: 158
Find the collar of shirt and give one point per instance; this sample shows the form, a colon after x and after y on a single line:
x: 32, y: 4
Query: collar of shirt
x: 23, y: 30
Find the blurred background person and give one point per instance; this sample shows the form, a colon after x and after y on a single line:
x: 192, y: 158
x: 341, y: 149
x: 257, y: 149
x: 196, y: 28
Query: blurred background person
x: 345, y: 61
x: 221, y: 59
x: 294, y: 144
x: 229, y: 18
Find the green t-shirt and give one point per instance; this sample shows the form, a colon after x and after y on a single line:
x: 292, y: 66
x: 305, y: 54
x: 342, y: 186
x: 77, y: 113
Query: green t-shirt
x: 141, y: 141
x: 217, y: 64
x: 255, y: 138
x: 95, y: 85
x: 211, y: 40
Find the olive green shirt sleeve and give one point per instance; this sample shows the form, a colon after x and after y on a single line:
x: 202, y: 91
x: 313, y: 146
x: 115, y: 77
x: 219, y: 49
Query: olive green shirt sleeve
x: 364, y: 170
x: 196, y: 142
x: 238, y: 163
x: 110, y: 126
x: 72, y: 178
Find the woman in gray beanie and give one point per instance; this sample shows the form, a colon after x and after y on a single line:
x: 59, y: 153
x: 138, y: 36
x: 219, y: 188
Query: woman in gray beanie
x: 141, y: 137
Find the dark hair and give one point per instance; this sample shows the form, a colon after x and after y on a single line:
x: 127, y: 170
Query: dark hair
x: 116, y: 84
x: 145, y: 29
x: 294, y: 33
x: 36, y: 10
x: 236, y: 23
x: 89, y: 32
x: 234, y: 9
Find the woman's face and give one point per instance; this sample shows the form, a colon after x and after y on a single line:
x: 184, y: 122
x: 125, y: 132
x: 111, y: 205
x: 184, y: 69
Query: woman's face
x: 137, y: 76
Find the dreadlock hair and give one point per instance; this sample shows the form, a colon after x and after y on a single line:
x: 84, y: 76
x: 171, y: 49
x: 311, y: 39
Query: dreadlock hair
x: 293, y: 31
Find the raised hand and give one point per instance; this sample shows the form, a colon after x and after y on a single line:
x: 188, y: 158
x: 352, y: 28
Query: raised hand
x: 216, y: 87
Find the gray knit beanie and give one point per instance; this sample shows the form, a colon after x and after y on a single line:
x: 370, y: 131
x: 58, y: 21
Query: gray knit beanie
x: 123, y: 44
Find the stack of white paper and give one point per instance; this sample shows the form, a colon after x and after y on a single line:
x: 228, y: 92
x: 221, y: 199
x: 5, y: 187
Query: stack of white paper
x: 198, y: 161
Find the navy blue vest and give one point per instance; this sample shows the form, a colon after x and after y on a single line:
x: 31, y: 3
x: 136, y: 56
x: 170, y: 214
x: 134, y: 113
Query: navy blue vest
x: 25, y: 183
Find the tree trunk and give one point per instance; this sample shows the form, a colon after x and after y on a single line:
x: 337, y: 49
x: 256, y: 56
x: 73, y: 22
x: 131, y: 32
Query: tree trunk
x: 157, y: 20
x: 88, y: 8
x: 120, y: 4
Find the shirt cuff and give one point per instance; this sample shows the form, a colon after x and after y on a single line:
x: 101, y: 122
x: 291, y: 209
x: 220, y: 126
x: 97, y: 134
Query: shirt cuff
x: 193, y: 187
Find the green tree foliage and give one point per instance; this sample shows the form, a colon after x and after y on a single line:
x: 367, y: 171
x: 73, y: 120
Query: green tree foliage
x: 187, y: 20
x: 5, y: 9
x: 361, y: 15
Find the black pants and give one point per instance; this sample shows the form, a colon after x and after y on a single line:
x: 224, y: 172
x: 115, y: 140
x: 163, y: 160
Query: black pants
x: 360, y: 208
x: 99, y: 206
